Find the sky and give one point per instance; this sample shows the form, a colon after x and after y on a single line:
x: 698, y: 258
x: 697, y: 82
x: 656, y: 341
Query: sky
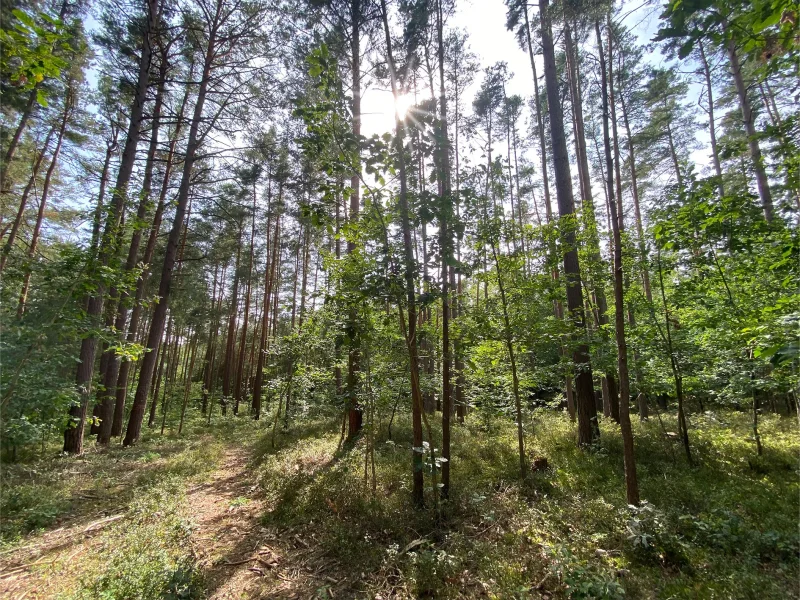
x: 485, y: 21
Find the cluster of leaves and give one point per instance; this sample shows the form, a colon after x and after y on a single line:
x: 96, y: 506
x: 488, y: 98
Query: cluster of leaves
x: 31, y: 50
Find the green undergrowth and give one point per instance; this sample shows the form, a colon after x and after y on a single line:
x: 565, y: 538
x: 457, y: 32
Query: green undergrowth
x: 47, y: 490
x: 725, y: 528
x: 147, y: 555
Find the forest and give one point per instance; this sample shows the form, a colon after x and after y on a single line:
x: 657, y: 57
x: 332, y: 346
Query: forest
x: 399, y: 299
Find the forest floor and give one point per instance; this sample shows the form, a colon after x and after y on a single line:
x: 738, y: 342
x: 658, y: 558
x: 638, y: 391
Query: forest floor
x: 237, y: 511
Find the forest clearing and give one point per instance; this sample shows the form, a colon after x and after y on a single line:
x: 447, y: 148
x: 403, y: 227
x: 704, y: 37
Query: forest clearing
x: 399, y: 299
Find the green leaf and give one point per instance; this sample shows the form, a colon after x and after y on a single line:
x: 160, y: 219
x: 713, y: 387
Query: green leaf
x: 686, y: 48
x: 25, y: 18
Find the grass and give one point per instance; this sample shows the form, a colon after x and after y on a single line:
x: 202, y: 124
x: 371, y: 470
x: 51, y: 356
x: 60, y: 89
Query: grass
x: 726, y: 528
x: 43, y: 492
x: 147, y: 555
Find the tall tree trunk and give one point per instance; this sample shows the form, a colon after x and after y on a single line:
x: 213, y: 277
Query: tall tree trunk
x: 165, y: 355
x: 304, y: 283
x: 588, y: 430
x: 355, y: 417
x: 147, y: 257
x: 608, y: 380
x: 631, y: 481
x: 636, y: 205
x: 243, y: 345
x: 188, y: 382
x: 408, y: 253
x: 229, y: 366
x: 111, y: 375
x: 73, y: 435
x: 712, y: 123
x: 673, y: 152
x: 111, y: 148
x: 674, y: 365
x: 164, y: 288
x: 446, y: 250
x: 269, y: 278
x: 537, y: 106
x: 509, y: 340
x: 748, y: 121
x: 213, y: 328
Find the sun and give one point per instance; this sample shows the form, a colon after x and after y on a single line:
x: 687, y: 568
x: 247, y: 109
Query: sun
x: 402, y: 105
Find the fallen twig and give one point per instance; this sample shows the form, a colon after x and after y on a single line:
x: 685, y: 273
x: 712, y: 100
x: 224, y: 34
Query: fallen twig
x: 239, y: 562
x: 103, y: 522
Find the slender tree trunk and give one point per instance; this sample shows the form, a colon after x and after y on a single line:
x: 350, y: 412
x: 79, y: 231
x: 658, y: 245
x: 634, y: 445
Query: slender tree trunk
x: 23, y: 203
x: 674, y: 155
x: 712, y: 123
x: 111, y: 376
x: 229, y: 368
x: 304, y: 284
x: 631, y: 481
x: 188, y: 383
x: 748, y: 121
x: 172, y: 375
x: 608, y: 379
x: 411, y: 333
x: 141, y: 283
x: 37, y: 228
x: 165, y: 355
x: 673, y: 362
x: 213, y: 327
x: 269, y: 278
x: 636, y: 206
x: 509, y: 340
x: 243, y: 345
x: 538, y: 107
x: 445, y: 246
x: 756, y: 407
x: 355, y: 417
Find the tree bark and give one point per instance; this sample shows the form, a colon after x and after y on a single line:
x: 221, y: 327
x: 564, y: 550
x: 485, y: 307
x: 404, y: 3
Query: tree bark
x: 712, y: 123
x: 111, y: 376
x: 631, y: 481
x: 748, y: 121
x: 237, y: 395
x: 73, y: 435
x: 141, y: 283
x: 588, y: 430
x: 164, y: 288
x: 445, y: 245
x: 354, y: 413
x: 269, y: 278
x: 411, y: 333
x: 539, y: 122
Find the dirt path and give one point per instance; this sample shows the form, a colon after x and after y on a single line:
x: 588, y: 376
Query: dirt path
x: 227, y: 540
x: 240, y: 558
